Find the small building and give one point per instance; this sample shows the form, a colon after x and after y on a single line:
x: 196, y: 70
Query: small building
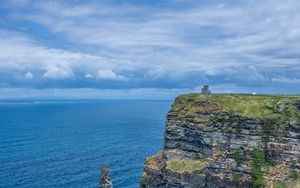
x: 205, y: 90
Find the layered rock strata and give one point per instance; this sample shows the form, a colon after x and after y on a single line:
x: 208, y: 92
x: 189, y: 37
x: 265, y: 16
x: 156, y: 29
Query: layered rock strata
x: 214, y: 141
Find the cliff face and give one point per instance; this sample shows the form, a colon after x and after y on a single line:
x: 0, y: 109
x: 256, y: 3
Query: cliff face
x: 216, y: 141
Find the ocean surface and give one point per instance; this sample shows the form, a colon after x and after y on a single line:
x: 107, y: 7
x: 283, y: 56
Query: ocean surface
x: 64, y: 143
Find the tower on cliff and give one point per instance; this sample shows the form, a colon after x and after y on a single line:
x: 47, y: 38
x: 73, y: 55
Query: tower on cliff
x: 205, y: 90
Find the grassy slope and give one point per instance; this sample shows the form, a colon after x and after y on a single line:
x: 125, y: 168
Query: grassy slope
x: 181, y: 166
x: 258, y: 106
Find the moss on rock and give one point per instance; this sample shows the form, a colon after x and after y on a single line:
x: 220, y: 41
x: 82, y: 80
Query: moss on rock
x: 181, y: 166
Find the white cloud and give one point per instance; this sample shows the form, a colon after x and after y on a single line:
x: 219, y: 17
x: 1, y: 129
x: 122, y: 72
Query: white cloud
x: 214, y: 34
x: 88, y: 76
x: 254, y: 74
x: 58, y: 72
x: 20, y: 54
x: 108, y: 74
x: 282, y: 79
x: 28, y: 75
x: 245, y: 41
x: 218, y: 37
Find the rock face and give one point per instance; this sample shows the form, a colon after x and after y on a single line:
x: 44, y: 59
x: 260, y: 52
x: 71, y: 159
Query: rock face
x: 214, y: 141
x: 105, y: 181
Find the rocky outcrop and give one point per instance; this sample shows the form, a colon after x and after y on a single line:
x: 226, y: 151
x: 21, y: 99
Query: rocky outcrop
x: 215, y: 141
x: 105, y: 181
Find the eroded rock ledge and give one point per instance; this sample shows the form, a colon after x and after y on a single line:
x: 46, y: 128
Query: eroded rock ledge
x: 216, y: 141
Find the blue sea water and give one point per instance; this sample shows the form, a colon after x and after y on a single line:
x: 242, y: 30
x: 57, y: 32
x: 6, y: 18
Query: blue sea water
x: 64, y: 143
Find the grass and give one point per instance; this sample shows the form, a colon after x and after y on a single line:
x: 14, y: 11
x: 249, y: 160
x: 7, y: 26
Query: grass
x: 259, y: 167
x: 235, y: 177
x: 181, y: 166
x: 257, y: 106
x: 199, y: 156
x: 295, y: 183
x: 279, y: 185
x: 295, y: 175
x: 239, y: 157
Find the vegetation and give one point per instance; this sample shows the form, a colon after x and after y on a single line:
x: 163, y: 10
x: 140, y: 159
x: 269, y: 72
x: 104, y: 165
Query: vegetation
x: 277, y: 112
x: 239, y: 157
x: 291, y: 113
x: 293, y: 184
x: 235, y: 177
x: 199, y: 156
x: 295, y: 175
x: 259, y: 167
x: 257, y: 106
x: 181, y: 166
x: 279, y: 185
x: 229, y: 130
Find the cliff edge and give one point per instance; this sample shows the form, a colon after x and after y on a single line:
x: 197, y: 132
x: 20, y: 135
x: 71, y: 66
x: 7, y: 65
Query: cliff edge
x: 214, y: 141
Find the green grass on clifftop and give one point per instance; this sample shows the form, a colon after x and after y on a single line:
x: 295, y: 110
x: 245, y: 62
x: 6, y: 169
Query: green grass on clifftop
x: 257, y: 106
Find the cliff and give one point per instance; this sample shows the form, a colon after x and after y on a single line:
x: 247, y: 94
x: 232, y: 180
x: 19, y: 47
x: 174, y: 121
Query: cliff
x: 215, y: 141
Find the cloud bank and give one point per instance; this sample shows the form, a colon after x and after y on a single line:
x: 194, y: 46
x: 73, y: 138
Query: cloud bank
x: 249, y: 46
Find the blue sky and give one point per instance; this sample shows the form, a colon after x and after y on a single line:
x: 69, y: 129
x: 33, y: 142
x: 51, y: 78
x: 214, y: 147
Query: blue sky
x: 147, y: 49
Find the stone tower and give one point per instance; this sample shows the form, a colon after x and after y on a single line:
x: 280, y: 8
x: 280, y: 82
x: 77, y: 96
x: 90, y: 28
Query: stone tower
x: 205, y: 90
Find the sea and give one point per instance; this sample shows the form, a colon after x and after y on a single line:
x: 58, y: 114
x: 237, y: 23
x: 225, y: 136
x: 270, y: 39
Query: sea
x: 65, y: 143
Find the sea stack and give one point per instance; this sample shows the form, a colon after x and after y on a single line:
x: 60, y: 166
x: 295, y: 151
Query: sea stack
x: 105, y: 181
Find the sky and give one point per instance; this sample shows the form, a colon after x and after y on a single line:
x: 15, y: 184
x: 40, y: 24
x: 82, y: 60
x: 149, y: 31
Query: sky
x: 147, y: 49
